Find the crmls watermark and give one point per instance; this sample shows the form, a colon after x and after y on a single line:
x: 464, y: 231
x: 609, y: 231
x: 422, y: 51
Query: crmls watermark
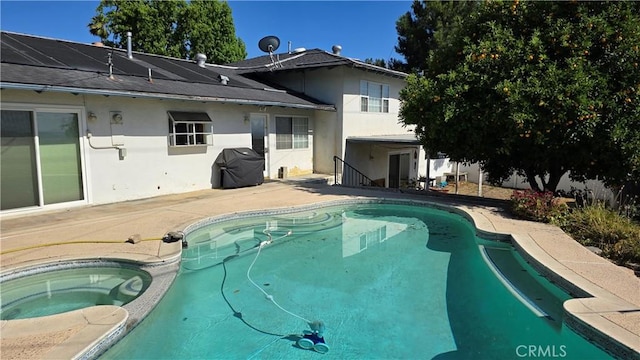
x: 541, y: 351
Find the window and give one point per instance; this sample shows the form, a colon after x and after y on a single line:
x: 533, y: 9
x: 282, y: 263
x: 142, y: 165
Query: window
x: 292, y: 132
x: 374, y: 97
x: 190, y: 128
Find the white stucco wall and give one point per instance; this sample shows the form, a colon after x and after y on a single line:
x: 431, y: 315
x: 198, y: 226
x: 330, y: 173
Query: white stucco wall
x: 296, y: 161
x: 151, y: 167
x: 357, y: 123
x: 325, y: 85
x: 325, y: 128
x: 340, y: 86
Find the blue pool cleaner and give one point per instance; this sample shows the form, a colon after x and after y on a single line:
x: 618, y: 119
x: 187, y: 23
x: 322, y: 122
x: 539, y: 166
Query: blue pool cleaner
x: 313, y: 339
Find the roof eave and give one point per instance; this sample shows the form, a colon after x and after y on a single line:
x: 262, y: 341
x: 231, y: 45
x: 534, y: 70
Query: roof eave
x: 146, y: 95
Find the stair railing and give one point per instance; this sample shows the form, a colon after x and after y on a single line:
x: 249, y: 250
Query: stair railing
x: 350, y: 175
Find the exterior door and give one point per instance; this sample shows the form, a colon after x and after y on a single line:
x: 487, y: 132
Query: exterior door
x: 260, y: 139
x: 399, y: 170
x: 40, y: 161
x: 394, y: 171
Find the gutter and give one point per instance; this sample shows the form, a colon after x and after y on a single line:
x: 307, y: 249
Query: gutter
x: 145, y: 95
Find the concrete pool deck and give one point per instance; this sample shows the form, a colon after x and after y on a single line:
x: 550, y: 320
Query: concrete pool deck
x: 609, y: 294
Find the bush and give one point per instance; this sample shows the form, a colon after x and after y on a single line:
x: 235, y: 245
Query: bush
x: 591, y: 223
x: 596, y: 225
x: 537, y: 206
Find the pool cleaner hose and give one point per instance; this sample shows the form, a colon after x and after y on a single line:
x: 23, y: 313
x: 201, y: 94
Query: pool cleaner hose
x: 311, y: 339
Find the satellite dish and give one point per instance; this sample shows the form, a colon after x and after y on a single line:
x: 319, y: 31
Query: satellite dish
x: 269, y: 44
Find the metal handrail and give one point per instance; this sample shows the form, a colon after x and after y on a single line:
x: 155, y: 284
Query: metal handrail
x: 350, y: 175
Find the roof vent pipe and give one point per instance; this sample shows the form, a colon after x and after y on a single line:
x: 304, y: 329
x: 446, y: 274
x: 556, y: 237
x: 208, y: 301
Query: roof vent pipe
x: 129, y: 52
x: 336, y: 49
x: 201, y: 59
x: 289, y: 47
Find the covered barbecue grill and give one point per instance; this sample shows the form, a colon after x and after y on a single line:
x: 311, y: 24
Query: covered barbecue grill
x: 240, y: 167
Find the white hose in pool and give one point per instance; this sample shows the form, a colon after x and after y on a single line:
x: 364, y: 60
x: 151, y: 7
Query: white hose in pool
x: 267, y: 295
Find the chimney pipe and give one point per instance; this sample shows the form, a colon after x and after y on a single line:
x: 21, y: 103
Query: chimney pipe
x: 129, y: 52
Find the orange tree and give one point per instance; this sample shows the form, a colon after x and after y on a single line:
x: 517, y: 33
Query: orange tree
x: 537, y: 88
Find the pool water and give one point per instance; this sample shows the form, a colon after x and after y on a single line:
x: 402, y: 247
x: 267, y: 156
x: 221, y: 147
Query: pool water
x: 57, y: 291
x: 389, y: 281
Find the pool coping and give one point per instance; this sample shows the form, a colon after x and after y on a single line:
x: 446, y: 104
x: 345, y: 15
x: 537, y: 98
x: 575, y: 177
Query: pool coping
x: 593, y: 313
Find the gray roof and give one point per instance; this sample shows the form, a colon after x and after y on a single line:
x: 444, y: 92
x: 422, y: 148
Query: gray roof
x: 307, y: 59
x: 43, y: 64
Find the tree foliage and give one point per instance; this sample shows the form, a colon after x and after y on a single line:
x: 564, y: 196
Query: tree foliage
x: 416, y: 28
x: 174, y: 28
x: 392, y: 63
x: 539, y: 88
x: 376, y: 62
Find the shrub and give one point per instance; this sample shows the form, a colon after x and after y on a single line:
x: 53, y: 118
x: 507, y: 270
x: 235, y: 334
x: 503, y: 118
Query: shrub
x: 537, y: 206
x: 591, y: 223
x: 596, y: 225
x: 625, y: 251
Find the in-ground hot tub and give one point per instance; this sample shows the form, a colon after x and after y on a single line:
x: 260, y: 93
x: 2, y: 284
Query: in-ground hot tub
x: 58, y: 288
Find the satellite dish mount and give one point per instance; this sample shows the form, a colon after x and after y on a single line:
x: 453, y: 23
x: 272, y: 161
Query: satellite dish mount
x: 269, y: 44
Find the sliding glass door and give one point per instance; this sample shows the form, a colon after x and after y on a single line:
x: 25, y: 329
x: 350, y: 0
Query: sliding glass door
x: 40, y: 159
x: 19, y: 176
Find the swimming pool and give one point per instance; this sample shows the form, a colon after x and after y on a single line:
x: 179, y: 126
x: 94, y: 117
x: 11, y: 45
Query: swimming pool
x: 388, y: 280
x: 58, y: 288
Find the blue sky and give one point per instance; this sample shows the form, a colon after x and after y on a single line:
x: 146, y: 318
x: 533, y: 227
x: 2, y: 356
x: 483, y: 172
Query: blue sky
x: 364, y: 29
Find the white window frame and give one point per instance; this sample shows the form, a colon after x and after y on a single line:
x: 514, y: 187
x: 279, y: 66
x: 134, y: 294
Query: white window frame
x: 368, y: 98
x: 297, y: 136
x: 196, y: 132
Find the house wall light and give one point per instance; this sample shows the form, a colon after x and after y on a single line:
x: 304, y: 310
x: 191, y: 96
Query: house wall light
x: 91, y: 116
x: 116, y: 117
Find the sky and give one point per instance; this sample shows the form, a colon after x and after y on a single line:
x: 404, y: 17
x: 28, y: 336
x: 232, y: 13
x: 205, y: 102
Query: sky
x: 364, y: 29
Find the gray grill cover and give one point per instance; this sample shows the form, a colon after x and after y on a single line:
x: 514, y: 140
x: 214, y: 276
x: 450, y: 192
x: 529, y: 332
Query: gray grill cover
x: 240, y: 167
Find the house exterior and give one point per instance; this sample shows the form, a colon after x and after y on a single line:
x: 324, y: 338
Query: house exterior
x: 364, y: 131
x: 86, y: 124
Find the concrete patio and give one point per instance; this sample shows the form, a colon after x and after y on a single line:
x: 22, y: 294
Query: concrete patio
x: 611, y: 305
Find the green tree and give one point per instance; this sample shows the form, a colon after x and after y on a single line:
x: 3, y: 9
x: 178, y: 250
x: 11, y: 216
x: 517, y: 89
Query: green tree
x: 539, y: 88
x: 376, y: 62
x: 392, y: 64
x: 207, y: 27
x: 416, y: 28
x: 172, y: 28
